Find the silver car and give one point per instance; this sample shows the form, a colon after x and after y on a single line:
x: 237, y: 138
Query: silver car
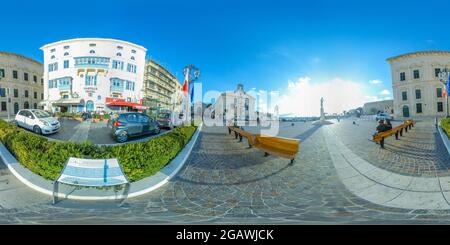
x: 39, y: 121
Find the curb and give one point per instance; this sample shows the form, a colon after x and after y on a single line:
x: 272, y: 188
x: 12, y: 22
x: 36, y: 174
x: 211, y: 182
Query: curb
x: 137, y: 188
x: 444, y: 138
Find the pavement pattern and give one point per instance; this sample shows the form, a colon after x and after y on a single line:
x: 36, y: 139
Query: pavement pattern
x: 223, y: 181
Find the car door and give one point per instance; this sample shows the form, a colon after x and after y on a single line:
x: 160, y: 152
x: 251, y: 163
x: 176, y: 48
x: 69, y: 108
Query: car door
x: 29, y: 120
x: 134, y: 127
x: 144, y: 120
x: 20, y: 118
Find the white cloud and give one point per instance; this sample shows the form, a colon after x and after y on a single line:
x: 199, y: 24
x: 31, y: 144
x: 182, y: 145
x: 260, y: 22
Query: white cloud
x: 385, y: 92
x: 376, y: 81
x: 303, y: 97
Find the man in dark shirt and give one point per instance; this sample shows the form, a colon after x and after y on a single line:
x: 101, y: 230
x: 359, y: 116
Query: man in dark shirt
x: 382, y: 127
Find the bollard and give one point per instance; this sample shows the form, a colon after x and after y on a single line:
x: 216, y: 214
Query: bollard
x: 396, y: 135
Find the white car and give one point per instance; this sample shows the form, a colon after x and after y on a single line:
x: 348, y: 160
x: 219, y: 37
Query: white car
x: 384, y: 116
x: 41, y: 122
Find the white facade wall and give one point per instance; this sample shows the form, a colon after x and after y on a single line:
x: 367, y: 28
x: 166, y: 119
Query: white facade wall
x: 109, y: 50
x: 235, y: 105
x: 427, y: 83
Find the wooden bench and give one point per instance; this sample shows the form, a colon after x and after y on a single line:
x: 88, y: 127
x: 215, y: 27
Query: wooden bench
x: 379, y: 138
x: 251, y: 138
x: 282, y: 147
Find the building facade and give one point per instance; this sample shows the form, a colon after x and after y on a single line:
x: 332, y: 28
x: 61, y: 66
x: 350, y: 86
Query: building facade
x: 162, y: 90
x: 235, y: 105
x: 416, y: 87
x: 21, y: 77
x: 93, y: 74
x: 375, y: 107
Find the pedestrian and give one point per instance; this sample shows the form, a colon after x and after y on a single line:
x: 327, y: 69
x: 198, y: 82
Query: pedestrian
x: 388, y: 124
x: 382, y: 127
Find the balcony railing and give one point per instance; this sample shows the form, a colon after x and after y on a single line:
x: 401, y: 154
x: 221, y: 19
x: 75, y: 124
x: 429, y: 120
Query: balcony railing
x: 116, y: 88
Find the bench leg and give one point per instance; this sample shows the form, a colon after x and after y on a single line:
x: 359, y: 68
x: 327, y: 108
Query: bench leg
x: 292, y: 161
x: 396, y: 135
x: 235, y: 135
x: 406, y: 129
x: 229, y: 131
x: 401, y: 132
x: 266, y: 154
x: 382, y: 143
x: 240, y: 138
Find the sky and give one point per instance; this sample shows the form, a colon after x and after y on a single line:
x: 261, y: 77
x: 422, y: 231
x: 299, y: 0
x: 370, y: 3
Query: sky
x: 303, y: 50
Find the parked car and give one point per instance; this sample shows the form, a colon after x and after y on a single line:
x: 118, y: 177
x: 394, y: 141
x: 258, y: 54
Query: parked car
x: 384, y: 116
x: 132, y: 124
x: 41, y: 122
x: 169, y: 119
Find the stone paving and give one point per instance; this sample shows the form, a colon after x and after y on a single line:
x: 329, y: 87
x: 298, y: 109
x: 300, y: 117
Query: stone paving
x: 97, y: 133
x: 420, y: 152
x: 225, y: 182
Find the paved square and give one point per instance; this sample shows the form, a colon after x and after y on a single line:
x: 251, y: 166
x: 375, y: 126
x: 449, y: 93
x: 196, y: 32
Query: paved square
x: 223, y: 181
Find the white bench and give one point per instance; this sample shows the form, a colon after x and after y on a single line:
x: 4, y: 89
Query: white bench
x: 91, y: 173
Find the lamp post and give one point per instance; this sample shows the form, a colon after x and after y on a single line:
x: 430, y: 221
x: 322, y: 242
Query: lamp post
x: 191, y: 74
x: 443, y: 77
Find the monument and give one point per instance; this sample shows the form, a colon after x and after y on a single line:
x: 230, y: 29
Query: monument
x: 322, y: 120
x: 322, y: 113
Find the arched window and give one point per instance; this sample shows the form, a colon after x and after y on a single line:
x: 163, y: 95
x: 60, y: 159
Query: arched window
x: 119, y: 54
x: 65, y: 54
x: 26, y: 105
x: 52, y: 57
x: 132, y: 57
x: 92, y: 52
x: 35, y: 106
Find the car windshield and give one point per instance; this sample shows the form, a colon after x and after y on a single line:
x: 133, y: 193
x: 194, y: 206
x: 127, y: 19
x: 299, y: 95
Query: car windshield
x: 41, y: 114
x: 164, y: 115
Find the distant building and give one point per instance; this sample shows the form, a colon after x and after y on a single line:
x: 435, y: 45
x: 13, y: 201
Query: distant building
x: 416, y: 87
x: 21, y: 77
x: 235, y: 105
x: 375, y: 107
x: 162, y: 90
x: 92, y: 74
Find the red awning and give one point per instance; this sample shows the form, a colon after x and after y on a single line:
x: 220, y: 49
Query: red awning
x: 123, y: 103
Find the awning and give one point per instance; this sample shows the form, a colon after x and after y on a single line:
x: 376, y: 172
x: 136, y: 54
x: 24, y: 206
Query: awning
x: 123, y: 103
x: 65, y: 102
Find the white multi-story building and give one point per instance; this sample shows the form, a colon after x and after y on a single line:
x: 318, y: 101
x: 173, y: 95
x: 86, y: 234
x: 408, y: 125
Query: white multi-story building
x: 415, y: 83
x: 237, y: 105
x: 93, y: 74
x: 21, y: 83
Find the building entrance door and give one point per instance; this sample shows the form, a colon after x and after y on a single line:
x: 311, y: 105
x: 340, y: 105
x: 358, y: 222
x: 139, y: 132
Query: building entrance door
x: 405, y: 111
x: 89, y: 105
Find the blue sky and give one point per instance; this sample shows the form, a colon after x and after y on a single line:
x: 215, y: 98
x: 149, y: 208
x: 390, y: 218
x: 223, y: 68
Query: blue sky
x: 262, y: 44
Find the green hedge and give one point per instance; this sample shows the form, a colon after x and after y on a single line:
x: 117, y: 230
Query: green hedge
x: 445, y: 124
x: 139, y: 160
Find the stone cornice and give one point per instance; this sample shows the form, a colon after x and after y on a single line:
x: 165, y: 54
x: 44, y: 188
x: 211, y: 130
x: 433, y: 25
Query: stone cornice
x: 419, y: 53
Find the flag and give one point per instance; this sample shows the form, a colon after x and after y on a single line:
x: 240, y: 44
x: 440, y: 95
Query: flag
x: 185, y: 87
x: 447, y: 88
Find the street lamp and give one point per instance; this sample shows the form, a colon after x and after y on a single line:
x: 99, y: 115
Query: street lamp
x: 443, y: 77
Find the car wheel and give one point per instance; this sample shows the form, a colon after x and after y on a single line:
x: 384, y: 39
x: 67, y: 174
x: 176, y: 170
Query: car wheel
x: 122, y: 137
x: 37, y: 130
